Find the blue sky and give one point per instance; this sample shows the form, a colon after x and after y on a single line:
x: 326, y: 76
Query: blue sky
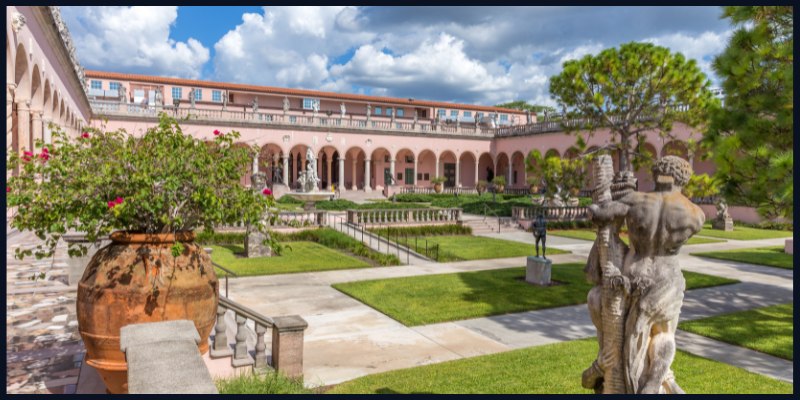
x: 481, y: 55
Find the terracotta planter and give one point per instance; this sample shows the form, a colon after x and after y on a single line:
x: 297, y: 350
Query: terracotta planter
x: 437, y: 187
x: 136, y: 279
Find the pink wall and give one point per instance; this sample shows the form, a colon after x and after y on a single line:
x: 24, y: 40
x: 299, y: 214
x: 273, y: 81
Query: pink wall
x: 743, y: 214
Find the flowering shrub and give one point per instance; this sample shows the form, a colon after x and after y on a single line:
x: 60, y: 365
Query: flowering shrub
x: 162, y: 182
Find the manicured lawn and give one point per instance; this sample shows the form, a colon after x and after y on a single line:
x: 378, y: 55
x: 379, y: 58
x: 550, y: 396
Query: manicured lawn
x: 555, y: 369
x: 467, y: 247
x: 587, y: 234
x: 769, y: 256
x: 744, y: 233
x: 269, y: 383
x: 430, y: 299
x: 302, y: 257
x: 768, y: 330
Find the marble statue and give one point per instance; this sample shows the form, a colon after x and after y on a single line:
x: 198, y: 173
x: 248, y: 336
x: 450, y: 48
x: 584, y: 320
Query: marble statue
x: 310, y: 181
x: 225, y: 101
x: 123, y: 96
x: 255, y: 105
x: 191, y: 97
x: 369, y: 111
x: 285, y: 105
x: 528, y: 115
x: 158, y: 99
x: 416, y: 116
x: 342, y: 109
x: 723, y: 219
x: 540, y: 234
x: 638, y: 295
x: 315, y: 107
x: 277, y: 176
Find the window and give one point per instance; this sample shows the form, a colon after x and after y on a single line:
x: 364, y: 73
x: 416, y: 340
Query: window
x: 389, y: 111
x: 308, y: 104
x: 504, y: 117
x: 177, y: 93
x: 467, y: 114
x: 113, y: 86
x: 216, y: 96
x: 400, y: 112
x: 442, y: 113
x: 198, y: 94
x: 453, y: 113
x: 377, y: 111
x: 479, y: 116
x: 97, y: 84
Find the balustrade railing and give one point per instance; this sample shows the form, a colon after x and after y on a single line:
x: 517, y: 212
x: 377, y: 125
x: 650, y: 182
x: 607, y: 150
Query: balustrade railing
x: 401, y: 216
x: 567, y: 213
x: 291, y: 219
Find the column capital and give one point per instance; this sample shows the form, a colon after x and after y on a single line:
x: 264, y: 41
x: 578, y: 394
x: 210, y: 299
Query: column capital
x: 367, y: 159
x: 36, y: 114
x: 23, y: 105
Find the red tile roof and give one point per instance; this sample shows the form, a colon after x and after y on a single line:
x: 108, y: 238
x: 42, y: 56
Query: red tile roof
x: 290, y: 92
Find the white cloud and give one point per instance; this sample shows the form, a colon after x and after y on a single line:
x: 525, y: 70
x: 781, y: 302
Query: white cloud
x: 701, y: 48
x: 133, y: 39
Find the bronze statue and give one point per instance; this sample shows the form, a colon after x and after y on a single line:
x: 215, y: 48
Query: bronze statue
x: 387, y: 177
x: 540, y: 233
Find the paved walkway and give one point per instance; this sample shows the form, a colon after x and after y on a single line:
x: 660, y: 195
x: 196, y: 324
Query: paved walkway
x: 373, y: 342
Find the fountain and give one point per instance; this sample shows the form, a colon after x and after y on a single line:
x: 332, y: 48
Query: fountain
x: 309, y: 192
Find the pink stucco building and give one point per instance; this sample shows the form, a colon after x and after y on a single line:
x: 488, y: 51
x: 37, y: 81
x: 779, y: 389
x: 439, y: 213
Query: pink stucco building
x: 359, y: 140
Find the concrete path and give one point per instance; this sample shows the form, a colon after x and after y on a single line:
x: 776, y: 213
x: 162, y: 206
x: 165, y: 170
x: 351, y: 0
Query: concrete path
x: 377, y: 243
x: 347, y: 339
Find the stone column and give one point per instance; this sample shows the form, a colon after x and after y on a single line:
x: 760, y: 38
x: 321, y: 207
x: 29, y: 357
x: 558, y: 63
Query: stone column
x: 48, y: 133
x: 416, y: 163
x: 285, y: 161
x: 367, y: 187
x: 391, y: 169
x: 330, y: 173
x: 510, y: 173
x: 436, y: 169
x: 458, y: 173
x: 10, y: 89
x: 24, y: 125
x: 36, y: 126
x: 355, y: 175
x: 255, y: 163
x: 341, y: 175
x: 477, y: 178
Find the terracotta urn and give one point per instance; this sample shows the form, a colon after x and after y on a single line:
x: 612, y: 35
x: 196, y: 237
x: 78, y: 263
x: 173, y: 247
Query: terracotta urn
x: 136, y: 279
x: 437, y: 187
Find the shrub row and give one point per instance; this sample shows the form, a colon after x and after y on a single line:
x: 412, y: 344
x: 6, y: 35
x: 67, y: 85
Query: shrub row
x: 204, y: 237
x: 428, y: 230
x: 336, y: 240
x: 770, y: 225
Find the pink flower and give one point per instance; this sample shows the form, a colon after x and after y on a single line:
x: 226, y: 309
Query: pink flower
x: 266, y: 192
x: 119, y: 200
x: 45, y: 154
x: 216, y: 132
x: 85, y: 135
x: 111, y: 204
x: 8, y: 189
x: 27, y: 156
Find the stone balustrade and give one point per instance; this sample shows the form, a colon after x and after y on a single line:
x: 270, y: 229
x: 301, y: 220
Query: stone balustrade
x: 462, y: 190
x: 292, y: 219
x: 568, y: 213
x: 287, y: 340
x: 401, y: 216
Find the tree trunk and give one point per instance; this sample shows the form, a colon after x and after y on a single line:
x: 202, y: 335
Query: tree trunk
x: 624, y: 144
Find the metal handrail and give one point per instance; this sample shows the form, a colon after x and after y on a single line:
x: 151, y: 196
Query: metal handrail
x: 227, y: 273
x: 246, y: 312
x: 488, y: 210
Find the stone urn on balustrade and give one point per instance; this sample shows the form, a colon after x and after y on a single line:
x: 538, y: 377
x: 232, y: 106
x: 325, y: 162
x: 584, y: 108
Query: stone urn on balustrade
x: 136, y: 279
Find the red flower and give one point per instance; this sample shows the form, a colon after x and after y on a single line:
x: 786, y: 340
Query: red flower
x: 85, y: 135
x: 119, y: 200
x: 45, y: 154
x: 216, y: 132
x: 111, y: 204
x: 266, y: 192
x: 27, y: 156
x: 8, y: 189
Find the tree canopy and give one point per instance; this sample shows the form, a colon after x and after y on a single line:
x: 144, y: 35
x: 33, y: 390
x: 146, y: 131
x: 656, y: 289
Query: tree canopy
x: 636, y: 88
x: 524, y: 106
x: 750, y: 138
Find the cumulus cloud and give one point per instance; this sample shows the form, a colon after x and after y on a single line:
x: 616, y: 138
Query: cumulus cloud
x: 702, y: 47
x: 133, y: 39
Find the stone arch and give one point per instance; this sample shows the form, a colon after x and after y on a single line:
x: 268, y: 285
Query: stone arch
x: 405, y: 171
x: 426, y: 165
x: 22, y: 74
x: 20, y: 135
x: 447, y: 165
x: 486, y: 169
x: 354, y: 168
x: 502, y: 166
x: 328, y: 168
x: 380, y: 162
x: 37, y: 89
x: 701, y: 165
x: 571, y: 153
x: 675, y: 148
x: 518, y: 174
x: 270, y: 161
x: 467, y: 169
x: 552, y: 153
x: 643, y: 175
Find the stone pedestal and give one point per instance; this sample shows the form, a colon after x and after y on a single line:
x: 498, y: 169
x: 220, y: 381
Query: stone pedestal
x: 538, y: 271
x: 723, y: 224
x: 788, y: 247
x: 287, y: 345
x: 254, y: 247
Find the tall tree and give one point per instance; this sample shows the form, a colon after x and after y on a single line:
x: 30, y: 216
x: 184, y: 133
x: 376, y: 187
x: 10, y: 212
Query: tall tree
x: 751, y: 136
x: 631, y: 90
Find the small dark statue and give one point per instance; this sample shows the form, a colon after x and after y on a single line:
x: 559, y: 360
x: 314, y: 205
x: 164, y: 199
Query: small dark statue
x: 540, y: 233
x: 387, y: 177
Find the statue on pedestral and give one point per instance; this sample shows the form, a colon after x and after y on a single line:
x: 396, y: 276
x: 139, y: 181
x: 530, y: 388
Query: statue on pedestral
x: 255, y: 105
x: 342, y: 109
x: 637, y: 301
x: 540, y: 234
x: 311, y: 181
x: 285, y: 105
x: 388, y: 178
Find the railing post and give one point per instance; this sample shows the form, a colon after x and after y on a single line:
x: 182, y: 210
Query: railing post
x: 241, y: 357
x: 220, y: 348
x: 261, y: 348
x: 287, y: 345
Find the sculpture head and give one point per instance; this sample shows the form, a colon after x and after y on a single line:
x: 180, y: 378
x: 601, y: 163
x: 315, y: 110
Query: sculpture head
x: 671, y: 173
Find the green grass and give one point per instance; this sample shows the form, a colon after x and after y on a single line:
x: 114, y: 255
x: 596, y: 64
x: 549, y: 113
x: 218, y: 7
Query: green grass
x: 769, y: 256
x: 768, y: 330
x: 587, y: 234
x: 551, y: 369
x: 421, y: 300
x: 467, y: 247
x: 302, y: 257
x: 744, y: 233
x: 339, y: 241
x: 270, y: 382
